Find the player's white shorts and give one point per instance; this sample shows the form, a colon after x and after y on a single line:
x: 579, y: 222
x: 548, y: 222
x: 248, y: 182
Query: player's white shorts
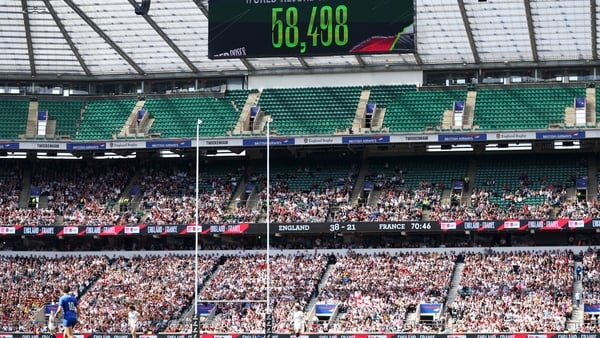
x: 52, y: 323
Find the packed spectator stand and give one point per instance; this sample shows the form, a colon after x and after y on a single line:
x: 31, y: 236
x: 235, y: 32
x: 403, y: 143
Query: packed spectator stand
x: 515, y: 292
x: 375, y: 290
x: 84, y: 193
x: 90, y: 194
x: 393, y: 144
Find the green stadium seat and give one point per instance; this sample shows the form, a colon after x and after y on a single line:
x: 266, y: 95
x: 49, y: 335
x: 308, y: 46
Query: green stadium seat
x: 517, y: 108
x: 310, y: 111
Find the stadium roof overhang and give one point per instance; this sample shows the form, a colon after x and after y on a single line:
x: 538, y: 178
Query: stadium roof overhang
x: 87, y: 39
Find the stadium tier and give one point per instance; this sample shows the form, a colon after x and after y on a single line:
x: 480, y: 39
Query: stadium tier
x: 523, y: 108
x: 304, y: 192
x: 13, y: 114
x: 177, y: 117
x: 492, y: 285
x: 365, y: 290
x: 343, y: 188
x: 528, y: 181
x: 237, y: 97
x: 310, y: 111
x: 103, y: 119
x: 412, y: 173
x: 384, y: 95
x: 163, y: 191
x: 364, y: 284
x: 304, y: 112
x: 91, y: 201
x: 421, y: 110
x: 299, y: 169
x: 66, y: 113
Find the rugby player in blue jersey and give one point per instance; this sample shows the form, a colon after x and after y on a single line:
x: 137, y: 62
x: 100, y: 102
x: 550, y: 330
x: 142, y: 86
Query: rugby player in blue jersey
x: 67, y: 304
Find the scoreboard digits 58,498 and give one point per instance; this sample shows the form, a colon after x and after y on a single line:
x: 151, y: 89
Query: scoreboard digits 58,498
x: 264, y: 28
x: 327, y: 26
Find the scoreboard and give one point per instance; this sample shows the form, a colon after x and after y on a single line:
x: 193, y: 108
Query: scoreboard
x: 278, y: 28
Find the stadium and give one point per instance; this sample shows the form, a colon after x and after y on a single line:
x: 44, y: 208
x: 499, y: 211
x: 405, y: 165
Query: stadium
x: 394, y: 168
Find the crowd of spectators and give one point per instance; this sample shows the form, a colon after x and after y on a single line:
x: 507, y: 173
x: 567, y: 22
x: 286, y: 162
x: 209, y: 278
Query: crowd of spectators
x: 168, y: 194
x: 522, y: 198
x: 11, y: 185
x: 579, y: 209
x: 91, y: 193
x: 28, y: 283
x: 483, y: 206
x: 590, y: 279
x: 83, y: 193
x: 375, y: 292
x: 394, y: 203
x: 306, y: 194
x: 498, y: 292
x: 514, y: 292
x: 95, y: 194
x: 396, y: 200
x: 160, y: 287
x: 242, y: 281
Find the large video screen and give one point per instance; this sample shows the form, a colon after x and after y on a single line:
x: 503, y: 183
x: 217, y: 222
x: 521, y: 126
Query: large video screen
x: 277, y: 28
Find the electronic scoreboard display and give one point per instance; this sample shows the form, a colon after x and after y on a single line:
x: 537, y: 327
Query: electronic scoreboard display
x: 278, y: 28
